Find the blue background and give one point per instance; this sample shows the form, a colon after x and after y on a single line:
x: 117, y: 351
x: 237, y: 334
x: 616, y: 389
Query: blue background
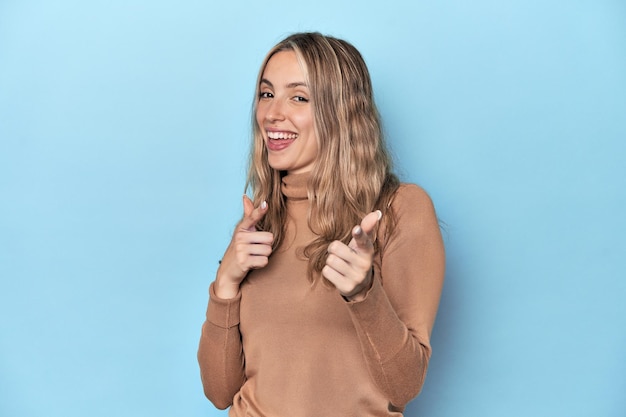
x: 123, y: 140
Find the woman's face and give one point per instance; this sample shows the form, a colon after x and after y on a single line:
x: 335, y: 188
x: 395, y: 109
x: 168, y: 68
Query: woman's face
x: 285, y: 115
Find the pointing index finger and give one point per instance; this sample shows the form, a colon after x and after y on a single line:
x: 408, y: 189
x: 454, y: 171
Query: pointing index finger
x: 364, y: 234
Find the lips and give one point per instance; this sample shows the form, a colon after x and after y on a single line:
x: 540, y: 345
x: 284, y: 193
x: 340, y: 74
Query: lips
x: 276, y: 135
x: 279, y: 140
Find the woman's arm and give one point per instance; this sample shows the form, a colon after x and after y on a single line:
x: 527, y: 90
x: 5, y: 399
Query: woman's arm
x: 395, y: 319
x: 220, y: 353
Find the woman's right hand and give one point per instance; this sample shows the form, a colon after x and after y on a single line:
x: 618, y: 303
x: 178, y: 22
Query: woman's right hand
x: 248, y: 249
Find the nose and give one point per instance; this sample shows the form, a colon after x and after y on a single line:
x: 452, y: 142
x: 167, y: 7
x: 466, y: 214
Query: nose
x: 275, y: 111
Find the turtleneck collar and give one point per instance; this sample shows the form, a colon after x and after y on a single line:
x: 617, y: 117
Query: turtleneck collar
x: 294, y: 186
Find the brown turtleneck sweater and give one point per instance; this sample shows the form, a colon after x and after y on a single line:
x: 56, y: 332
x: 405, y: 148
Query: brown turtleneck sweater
x: 282, y: 347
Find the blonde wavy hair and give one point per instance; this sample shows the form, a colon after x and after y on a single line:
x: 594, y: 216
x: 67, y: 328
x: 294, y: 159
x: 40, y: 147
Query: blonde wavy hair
x: 352, y: 175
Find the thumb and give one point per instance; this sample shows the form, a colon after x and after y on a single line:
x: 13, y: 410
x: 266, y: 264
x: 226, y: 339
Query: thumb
x: 365, y: 234
x: 248, y: 207
x: 251, y: 215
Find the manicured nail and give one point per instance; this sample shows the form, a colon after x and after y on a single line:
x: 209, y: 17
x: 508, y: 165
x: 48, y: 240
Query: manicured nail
x: 358, y: 230
x: 380, y: 214
x: 263, y: 205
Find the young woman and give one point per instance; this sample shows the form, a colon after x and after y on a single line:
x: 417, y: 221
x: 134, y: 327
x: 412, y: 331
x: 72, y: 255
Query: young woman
x: 325, y: 299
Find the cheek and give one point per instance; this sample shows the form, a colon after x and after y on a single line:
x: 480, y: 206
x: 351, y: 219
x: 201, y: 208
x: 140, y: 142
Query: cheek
x: 305, y: 121
x: 313, y: 148
x: 259, y: 117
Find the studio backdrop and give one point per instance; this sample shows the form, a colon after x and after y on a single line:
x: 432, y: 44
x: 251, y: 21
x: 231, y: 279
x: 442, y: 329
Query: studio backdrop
x: 124, y: 133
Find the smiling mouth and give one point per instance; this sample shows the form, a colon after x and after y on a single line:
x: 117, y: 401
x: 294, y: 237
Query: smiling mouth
x: 277, y: 141
x: 281, y: 135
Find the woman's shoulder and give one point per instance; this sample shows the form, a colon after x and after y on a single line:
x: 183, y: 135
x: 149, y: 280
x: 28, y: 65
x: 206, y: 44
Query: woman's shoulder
x: 412, y: 216
x: 411, y: 197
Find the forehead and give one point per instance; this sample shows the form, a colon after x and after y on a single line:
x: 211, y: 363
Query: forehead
x: 284, y: 67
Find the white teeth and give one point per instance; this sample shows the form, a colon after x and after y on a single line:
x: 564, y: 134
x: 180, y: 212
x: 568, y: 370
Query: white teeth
x: 281, y: 135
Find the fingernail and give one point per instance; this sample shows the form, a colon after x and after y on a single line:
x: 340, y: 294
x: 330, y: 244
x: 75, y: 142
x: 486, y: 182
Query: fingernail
x: 358, y: 230
x: 380, y: 214
x: 263, y: 205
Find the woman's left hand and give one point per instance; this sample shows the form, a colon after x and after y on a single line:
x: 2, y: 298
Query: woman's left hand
x: 349, y: 267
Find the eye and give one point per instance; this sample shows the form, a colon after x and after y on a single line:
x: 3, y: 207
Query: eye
x: 265, y: 94
x: 301, y: 99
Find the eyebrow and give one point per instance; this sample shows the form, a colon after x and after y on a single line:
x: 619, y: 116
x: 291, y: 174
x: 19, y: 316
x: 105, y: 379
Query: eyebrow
x: 290, y: 85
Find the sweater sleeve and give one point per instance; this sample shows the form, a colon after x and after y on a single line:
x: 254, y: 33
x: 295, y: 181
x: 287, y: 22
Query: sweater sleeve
x: 220, y: 353
x: 395, y: 320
